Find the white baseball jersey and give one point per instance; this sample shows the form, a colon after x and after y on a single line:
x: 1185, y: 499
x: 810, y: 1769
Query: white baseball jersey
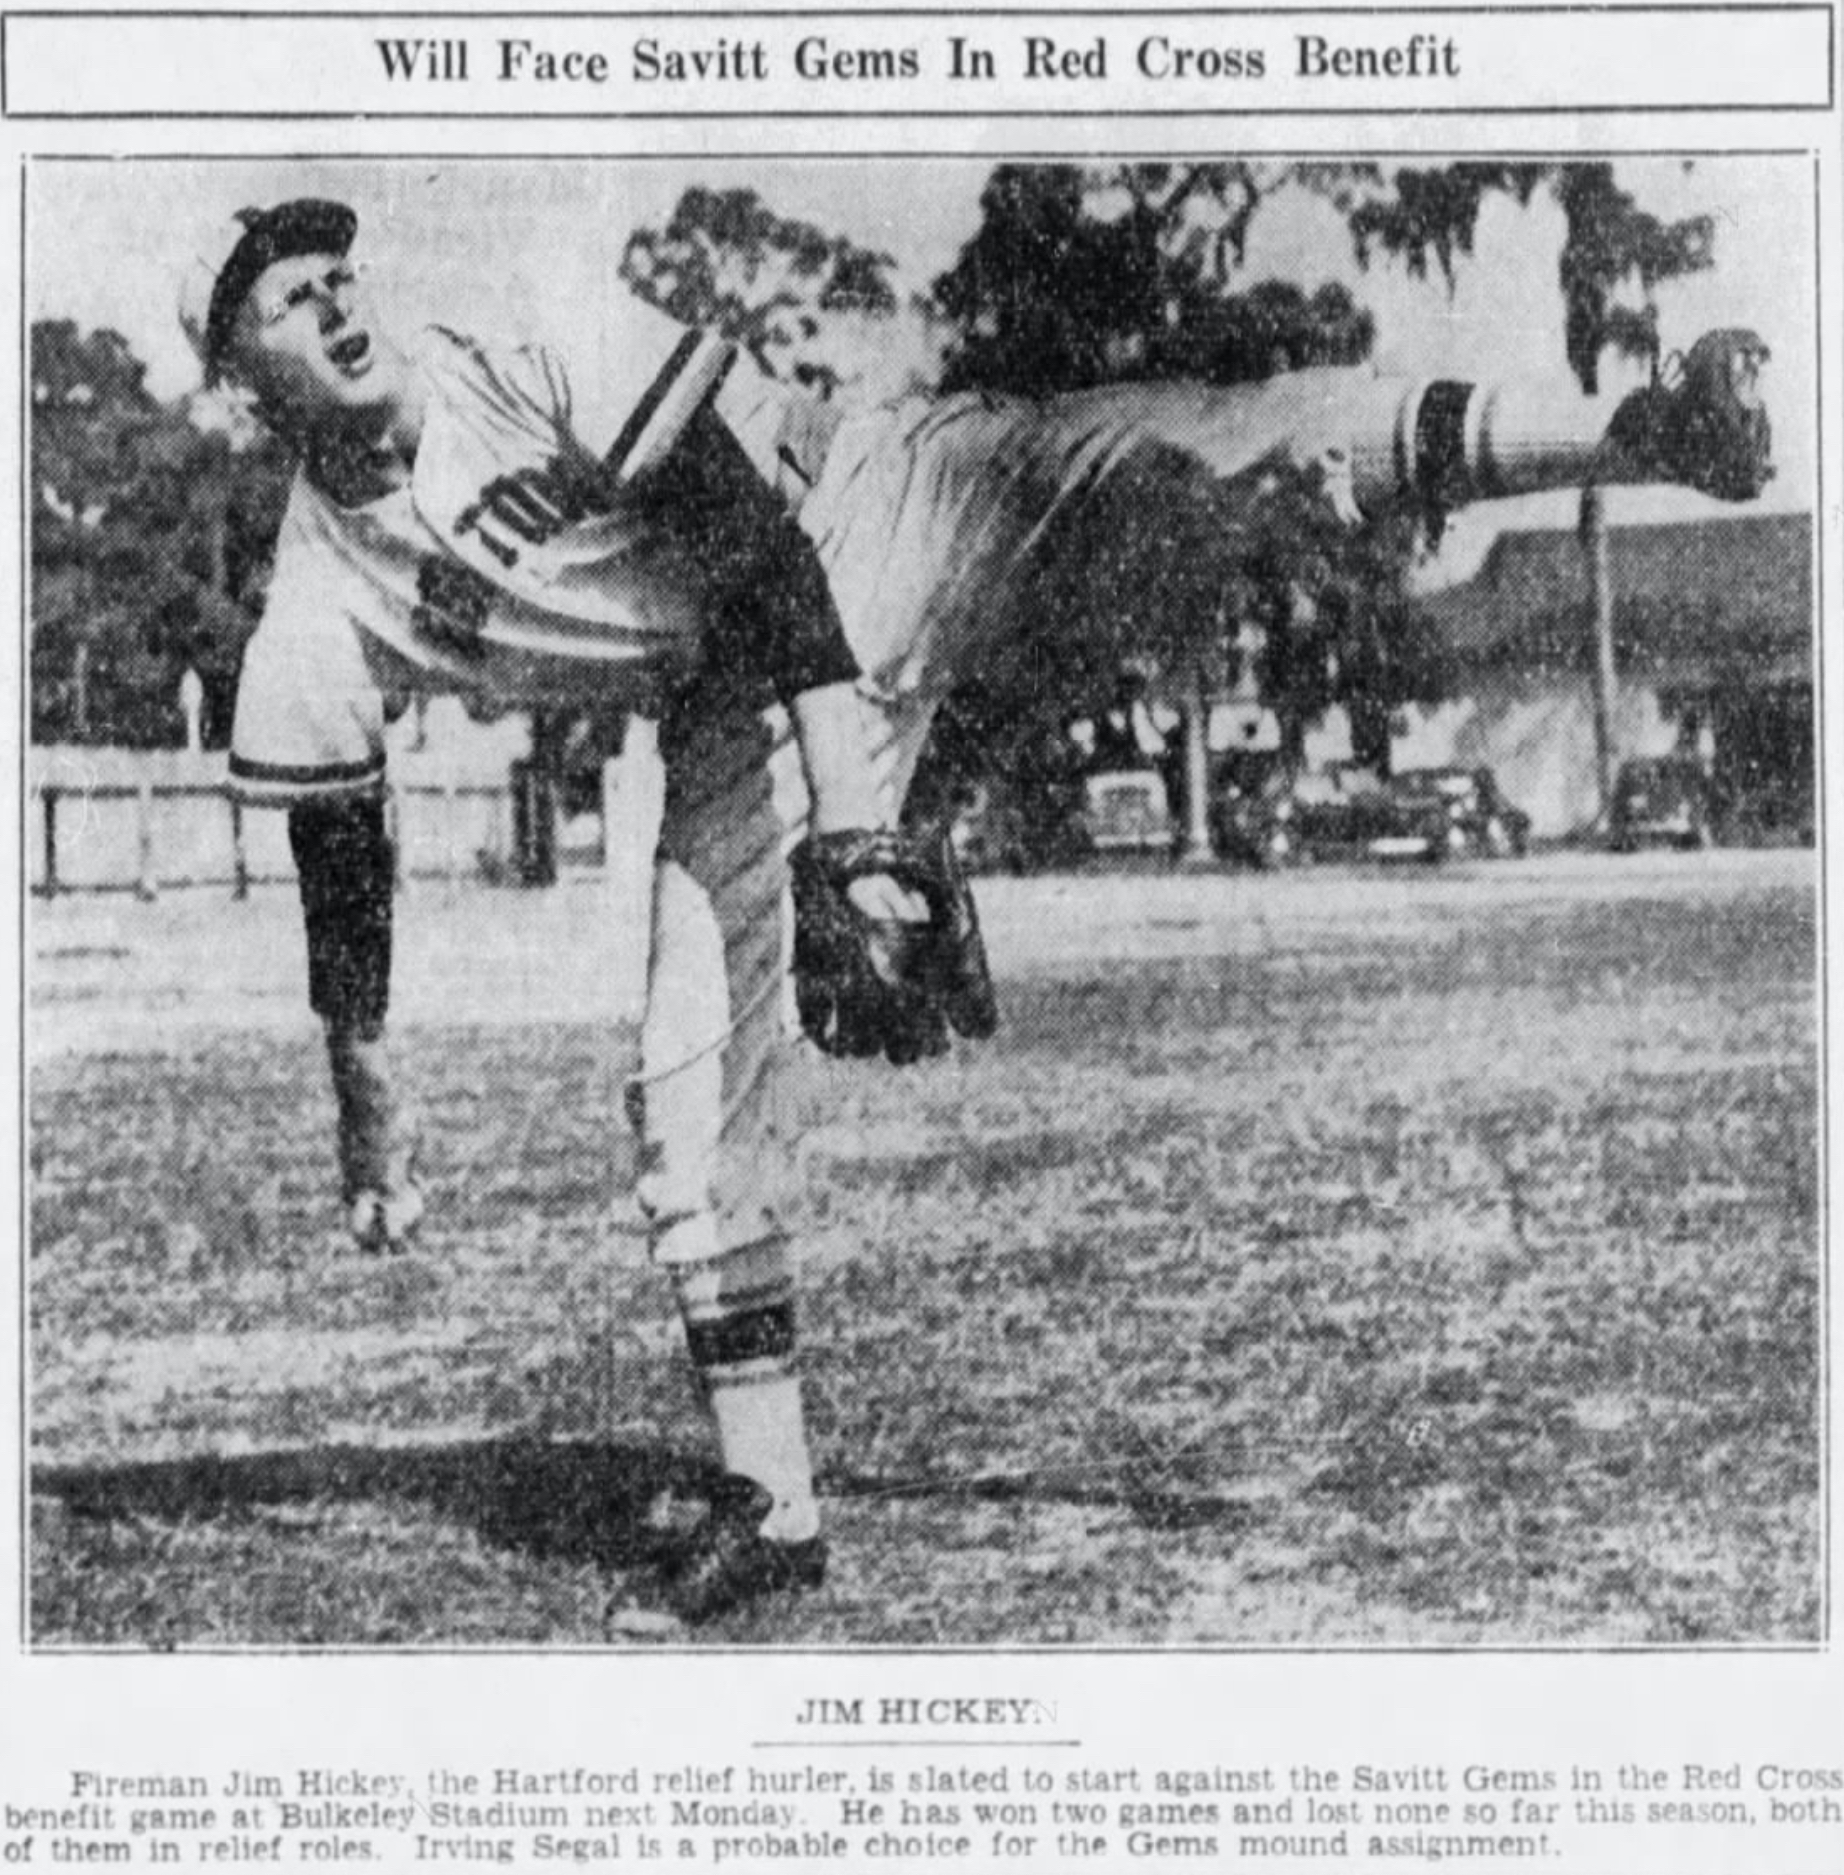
x: 605, y: 609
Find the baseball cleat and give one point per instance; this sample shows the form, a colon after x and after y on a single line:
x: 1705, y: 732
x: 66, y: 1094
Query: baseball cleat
x: 730, y: 1563
x: 385, y: 1223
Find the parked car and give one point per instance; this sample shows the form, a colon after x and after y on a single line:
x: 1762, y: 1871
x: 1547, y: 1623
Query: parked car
x: 1665, y: 799
x: 1480, y: 820
x: 1341, y: 809
x: 1347, y: 811
x: 998, y: 827
x: 1127, y: 810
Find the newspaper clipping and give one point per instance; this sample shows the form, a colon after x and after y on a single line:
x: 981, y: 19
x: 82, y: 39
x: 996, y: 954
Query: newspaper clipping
x: 921, y: 938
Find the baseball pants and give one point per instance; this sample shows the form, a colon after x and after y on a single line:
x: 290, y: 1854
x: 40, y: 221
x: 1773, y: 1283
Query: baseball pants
x: 930, y: 517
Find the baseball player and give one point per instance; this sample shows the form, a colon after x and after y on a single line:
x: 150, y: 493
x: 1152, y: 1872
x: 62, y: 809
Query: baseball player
x: 671, y: 532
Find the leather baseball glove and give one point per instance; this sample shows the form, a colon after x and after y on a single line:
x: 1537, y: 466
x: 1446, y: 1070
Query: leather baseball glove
x: 1702, y: 423
x: 887, y: 986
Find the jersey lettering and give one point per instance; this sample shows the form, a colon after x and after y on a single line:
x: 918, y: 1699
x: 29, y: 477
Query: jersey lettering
x: 453, y: 603
x: 533, y: 504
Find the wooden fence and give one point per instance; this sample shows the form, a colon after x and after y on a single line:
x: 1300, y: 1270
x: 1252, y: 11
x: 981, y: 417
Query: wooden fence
x: 152, y: 837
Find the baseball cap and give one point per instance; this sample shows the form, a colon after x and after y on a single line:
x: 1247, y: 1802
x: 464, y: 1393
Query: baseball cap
x: 229, y: 259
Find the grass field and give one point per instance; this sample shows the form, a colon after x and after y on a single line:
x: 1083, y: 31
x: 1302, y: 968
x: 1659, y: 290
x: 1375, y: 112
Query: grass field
x: 1327, y: 1260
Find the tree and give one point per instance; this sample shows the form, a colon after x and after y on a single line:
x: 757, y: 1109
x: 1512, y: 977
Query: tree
x: 1083, y: 276
x: 150, y: 538
x: 1610, y: 246
x: 814, y: 307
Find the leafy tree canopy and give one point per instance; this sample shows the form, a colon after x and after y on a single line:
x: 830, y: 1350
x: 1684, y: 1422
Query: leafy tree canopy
x: 797, y: 296
x: 1081, y: 276
x: 1611, y: 246
x: 150, y: 541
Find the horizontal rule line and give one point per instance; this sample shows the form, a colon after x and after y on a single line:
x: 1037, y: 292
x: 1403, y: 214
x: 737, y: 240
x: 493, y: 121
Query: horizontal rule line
x: 1047, y: 114
x: 915, y: 1744
x: 691, y: 16
x: 793, y: 154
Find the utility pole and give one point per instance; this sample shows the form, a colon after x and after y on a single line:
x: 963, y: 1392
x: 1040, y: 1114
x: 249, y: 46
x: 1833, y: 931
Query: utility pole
x: 1601, y: 621
x: 1196, y: 850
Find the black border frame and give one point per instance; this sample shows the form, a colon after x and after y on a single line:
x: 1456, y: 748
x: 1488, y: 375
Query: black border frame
x: 1820, y: 1645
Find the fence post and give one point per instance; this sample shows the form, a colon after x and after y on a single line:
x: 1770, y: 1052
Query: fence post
x: 240, y: 860
x: 1195, y: 848
x: 534, y: 822
x: 393, y: 834
x: 51, y: 839
x: 144, y: 885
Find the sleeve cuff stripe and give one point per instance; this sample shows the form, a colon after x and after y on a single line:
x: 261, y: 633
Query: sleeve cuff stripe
x: 1440, y: 444
x: 287, y: 775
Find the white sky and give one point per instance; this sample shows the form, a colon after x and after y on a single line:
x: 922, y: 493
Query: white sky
x: 511, y: 246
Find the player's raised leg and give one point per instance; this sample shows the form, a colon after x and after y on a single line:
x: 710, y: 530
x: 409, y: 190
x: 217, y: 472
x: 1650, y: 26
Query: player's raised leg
x: 1444, y: 442
x: 931, y: 514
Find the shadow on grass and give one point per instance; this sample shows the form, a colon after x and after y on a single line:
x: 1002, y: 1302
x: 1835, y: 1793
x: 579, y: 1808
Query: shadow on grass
x: 576, y: 1501
x: 580, y: 1501
x: 1151, y: 1506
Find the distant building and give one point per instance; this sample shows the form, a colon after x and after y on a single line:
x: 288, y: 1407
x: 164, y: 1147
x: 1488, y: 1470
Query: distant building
x: 1714, y: 643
